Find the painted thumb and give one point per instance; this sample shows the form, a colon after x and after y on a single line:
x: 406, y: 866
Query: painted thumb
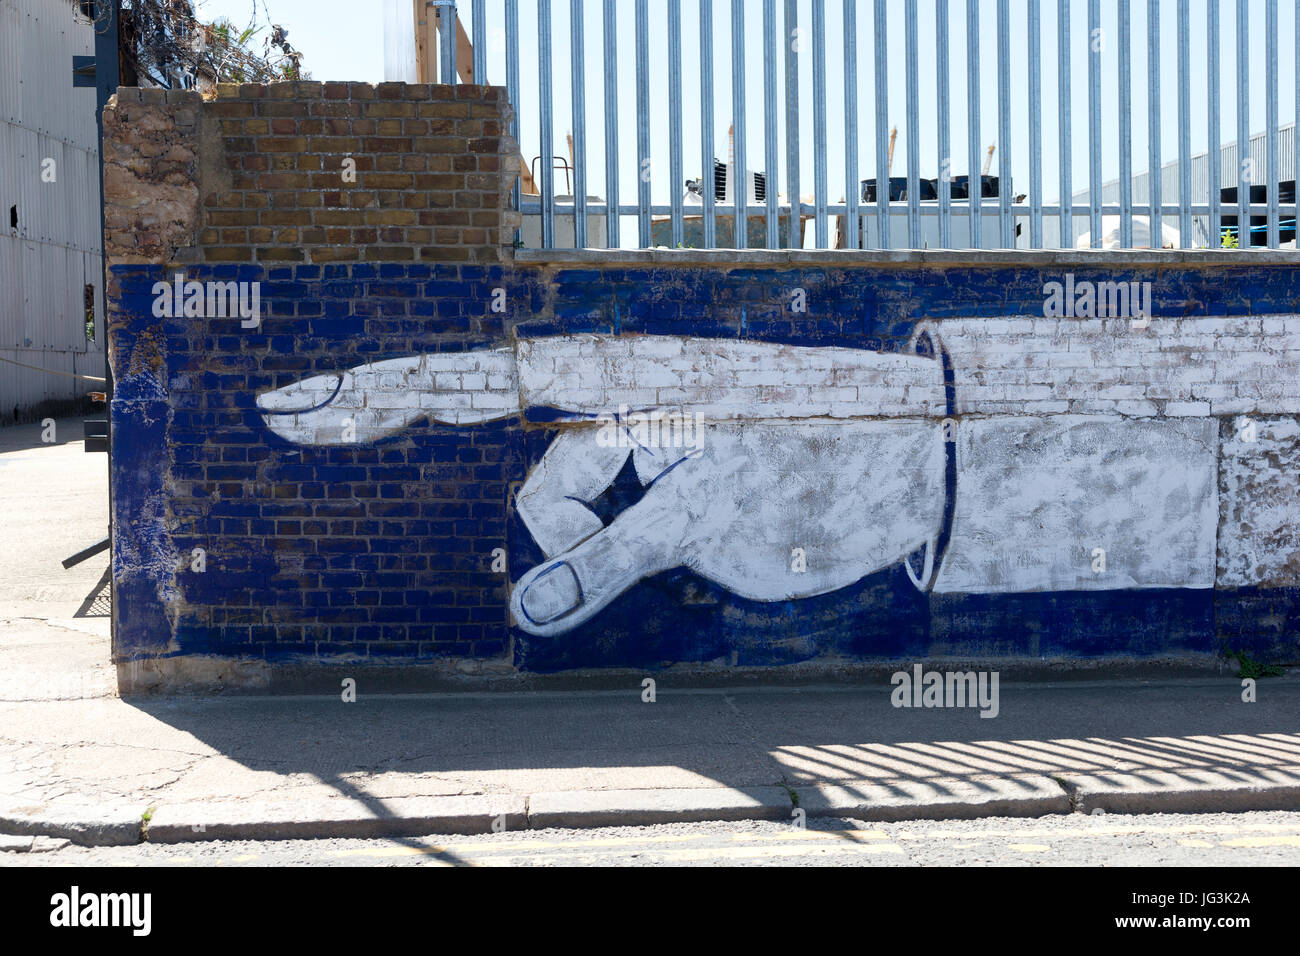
x: 568, y: 589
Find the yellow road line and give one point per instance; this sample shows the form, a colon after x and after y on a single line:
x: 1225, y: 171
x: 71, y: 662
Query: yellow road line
x: 849, y: 836
x: 1095, y: 831
x: 1259, y: 841
x: 758, y: 852
x: 512, y: 846
x: 706, y: 854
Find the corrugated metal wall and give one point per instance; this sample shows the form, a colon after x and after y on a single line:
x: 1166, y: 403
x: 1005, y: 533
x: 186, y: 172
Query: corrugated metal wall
x: 1286, y: 148
x: 54, y: 252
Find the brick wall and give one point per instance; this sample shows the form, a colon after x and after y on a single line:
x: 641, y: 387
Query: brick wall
x: 428, y: 180
x: 470, y: 369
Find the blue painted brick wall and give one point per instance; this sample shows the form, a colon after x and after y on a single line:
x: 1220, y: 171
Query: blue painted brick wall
x: 383, y: 551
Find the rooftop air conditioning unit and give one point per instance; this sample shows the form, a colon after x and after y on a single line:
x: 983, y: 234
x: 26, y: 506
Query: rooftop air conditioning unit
x: 724, y: 180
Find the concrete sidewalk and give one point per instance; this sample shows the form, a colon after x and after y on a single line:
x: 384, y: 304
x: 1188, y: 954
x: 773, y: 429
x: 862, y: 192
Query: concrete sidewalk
x: 110, y: 771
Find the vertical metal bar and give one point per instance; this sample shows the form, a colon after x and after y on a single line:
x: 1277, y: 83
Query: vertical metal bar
x: 512, y: 90
x: 644, y: 167
x: 739, y: 168
x: 912, y: 70
x: 1063, y: 132
x: 577, y: 55
x: 1035, y: 126
x: 675, y: 173
x: 1004, y: 124
x: 1214, y: 149
x: 820, y: 229
x: 882, y: 126
x: 1184, y: 125
x: 1295, y: 136
x: 1154, y: 174
x: 611, y: 124
x: 1094, y: 122
x: 1270, y: 120
x: 975, y: 178
x: 1125, y: 125
x: 447, y: 37
x: 480, y: 41
x: 945, y: 130
x: 771, y: 175
x: 708, y: 182
x: 107, y: 52
x: 544, y: 72
x: 853, y: 224
x: 1245, y: 168
x: 791, y: 41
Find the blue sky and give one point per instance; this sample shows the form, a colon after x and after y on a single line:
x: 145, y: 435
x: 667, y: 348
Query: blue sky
x: 343, y: 39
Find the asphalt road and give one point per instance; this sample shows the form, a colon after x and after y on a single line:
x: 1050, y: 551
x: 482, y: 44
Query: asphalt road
x: 1221, y: 839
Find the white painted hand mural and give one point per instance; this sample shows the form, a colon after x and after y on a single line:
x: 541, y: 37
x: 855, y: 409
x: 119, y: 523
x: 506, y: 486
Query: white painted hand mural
x: 814, y: 467
x: 769, y: 511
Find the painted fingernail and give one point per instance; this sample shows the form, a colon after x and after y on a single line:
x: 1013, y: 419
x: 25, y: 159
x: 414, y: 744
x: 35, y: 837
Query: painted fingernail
x: 553, y: 593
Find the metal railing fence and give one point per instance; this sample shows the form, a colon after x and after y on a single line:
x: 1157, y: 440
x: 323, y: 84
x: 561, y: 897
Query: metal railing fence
x: 1251, y: 207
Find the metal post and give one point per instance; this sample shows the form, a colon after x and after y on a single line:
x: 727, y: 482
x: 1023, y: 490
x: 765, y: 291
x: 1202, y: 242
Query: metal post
x: 770, y: 172
x: 1214, y: 151
x: 1063, y: 121
x: 1035, y: 126
x: 611, y: 123
x: 447, y: 40
x: 645, y: 167
x: 544, y: 71
x: 945, y: 129
x: 577, y: 54
x: 1245, y: 167
x: 882, y: 127
x: 852, y: 220
x: 912, y: 71
x: 675, y: 173
x: 820, y: 229
x: 1270, y: 121
x: 512, y: 90
x: 1154, y: 184
x: 1125, y: 126
x: 707, y: 154
x: 1184, y: 126
x: 975, y: 178
x: 739, y: 169
x: 480, y: 41
x: 1004, y: 125
x: 1094, y: 123
x: 791, y: 41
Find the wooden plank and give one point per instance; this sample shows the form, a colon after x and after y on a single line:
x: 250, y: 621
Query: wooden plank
x: 421, y: 42
x: 464, y: 54
x: 526, y: 183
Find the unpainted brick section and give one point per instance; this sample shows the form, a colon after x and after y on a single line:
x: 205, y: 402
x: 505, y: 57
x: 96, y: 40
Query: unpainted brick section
x: 310, y: 172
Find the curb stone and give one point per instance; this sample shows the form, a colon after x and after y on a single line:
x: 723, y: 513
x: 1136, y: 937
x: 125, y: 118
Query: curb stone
x: 84, y: 826
x: 1021, y: 795
x: 336, y: 818
x: 1187, y: 791
x: 1018, y: 795
x: 587, y: 809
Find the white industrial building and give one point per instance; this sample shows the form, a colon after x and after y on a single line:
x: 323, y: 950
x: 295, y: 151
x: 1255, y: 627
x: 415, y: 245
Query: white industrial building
x: 1170, y: 191
x: 50, y: 242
